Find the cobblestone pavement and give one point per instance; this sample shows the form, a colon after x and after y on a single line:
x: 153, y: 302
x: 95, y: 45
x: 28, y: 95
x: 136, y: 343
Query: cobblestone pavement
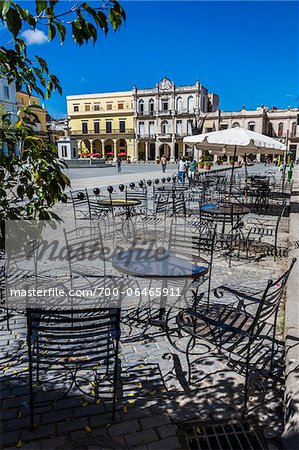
x: 156, y: 395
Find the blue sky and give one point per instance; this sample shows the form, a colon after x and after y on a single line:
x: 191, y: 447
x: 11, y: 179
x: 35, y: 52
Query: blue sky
x: 247, y: 52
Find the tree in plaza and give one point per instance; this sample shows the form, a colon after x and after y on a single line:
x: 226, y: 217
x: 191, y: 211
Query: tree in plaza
x: 31, y: 183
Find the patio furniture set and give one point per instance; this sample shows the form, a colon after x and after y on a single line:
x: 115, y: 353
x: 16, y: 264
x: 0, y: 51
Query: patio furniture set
x: 167, y: 236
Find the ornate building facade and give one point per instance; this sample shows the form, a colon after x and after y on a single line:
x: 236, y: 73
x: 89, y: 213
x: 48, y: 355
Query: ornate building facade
x: 148, y: 123
x: 163, y: 115
x: 102, y: 123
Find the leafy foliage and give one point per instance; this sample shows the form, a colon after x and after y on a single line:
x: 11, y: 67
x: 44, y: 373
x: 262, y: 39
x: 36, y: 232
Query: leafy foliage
x: 84, y: 22
x: 30, y: 184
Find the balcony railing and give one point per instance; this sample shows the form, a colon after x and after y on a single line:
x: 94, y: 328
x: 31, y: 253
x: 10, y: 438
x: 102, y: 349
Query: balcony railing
x: 101, y: 132
x: 146, y: 136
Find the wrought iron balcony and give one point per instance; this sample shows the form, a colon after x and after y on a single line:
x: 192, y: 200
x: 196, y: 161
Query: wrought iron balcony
x: 146, y: 136
x: 103, y: 132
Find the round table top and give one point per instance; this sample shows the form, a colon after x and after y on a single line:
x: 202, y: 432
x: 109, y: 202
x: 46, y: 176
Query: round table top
x: 119, y: 202
x: 159, y: 263
x: 170, y: 188
x: 233, y: 209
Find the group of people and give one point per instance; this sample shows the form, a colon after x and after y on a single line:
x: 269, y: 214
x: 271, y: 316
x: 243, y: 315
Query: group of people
x: 187, y: 166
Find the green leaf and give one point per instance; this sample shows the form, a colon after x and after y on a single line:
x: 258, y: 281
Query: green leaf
x: 13, y: 20
x: 25, y: 14
x: 77, y: 35
x: 4, y: 7
x: 51, y: 32
x: 41, y: 5
x: 62, y: 31
x: 42, y: 63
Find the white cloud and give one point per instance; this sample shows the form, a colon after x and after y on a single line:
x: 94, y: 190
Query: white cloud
x: 34, y: 37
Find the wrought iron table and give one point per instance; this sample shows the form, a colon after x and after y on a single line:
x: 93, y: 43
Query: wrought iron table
x: 225, y: 213
x: 127, y: 204
x: 159, y: 264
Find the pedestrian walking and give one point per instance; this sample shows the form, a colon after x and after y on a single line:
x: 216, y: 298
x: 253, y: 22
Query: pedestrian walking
x: 118, y: 164
x: 163, y: 163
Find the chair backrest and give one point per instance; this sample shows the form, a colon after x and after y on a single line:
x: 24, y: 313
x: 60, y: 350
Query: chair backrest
x: 74, y: 336
x: 80, y: 201
x: 137, y: 194
x: 179, y: 203
x: 161, y: 203
x: 140, y: 194
x: 271, y: 297
x: 85, y: 250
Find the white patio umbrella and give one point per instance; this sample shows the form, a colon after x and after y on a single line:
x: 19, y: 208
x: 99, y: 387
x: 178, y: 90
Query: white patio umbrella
x: 236, y: 141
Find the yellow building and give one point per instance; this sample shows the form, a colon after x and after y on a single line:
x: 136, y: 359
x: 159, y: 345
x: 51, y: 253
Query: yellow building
x: 23, y: 100
x: 102, y: 123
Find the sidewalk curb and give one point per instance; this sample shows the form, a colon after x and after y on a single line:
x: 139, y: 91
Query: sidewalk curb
x: 290, y: 436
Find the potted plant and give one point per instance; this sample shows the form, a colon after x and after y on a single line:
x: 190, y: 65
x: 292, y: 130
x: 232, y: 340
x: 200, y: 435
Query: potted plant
x: 208, y: 165
x: 201, y: 164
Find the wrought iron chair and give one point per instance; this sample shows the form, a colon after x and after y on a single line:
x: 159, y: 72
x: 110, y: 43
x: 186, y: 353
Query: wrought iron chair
x: 86, y: 207
x: 262, y: 236
x: 239, y: 329
x: 200, y: 243
x: 80, y: 202
x: 179, y: 204
x: 140, y: 194
x: 72, y: 341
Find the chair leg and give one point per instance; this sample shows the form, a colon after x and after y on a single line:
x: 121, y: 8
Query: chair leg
x: 31, y: 395
x: 246, y: 388
x: 115, y: 375
x: 273, y: 341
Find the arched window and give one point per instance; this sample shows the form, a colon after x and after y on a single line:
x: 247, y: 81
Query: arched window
x: 251, y: 126
x: 151, y: 106
x: 190, y: 103
x: 164, y: 127
x: 270, y: 130
x: 236, y: 124
x: 141, y: 106
x: 280, y: 129
x: 179, y: 104
x: 294, y: 129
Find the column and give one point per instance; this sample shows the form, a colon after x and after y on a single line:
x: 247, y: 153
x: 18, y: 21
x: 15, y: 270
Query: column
x: 147, y: 146
x: 157, y: 145
x: 172, y: 157
x: 114, y: 150
x: 135, y: 159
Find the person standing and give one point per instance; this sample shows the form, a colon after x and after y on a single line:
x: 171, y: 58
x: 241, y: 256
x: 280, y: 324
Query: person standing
x: 290, y: 172
x: 182, y: 170
x: 163, y: 163
x: 192, y: 166
x: 118, y: 164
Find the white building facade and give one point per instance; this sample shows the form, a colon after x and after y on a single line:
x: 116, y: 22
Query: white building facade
x: 163, y: 115
x: 281, y: 124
